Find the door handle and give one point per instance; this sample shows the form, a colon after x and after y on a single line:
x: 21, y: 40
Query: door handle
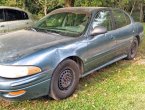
x: 2, y: 26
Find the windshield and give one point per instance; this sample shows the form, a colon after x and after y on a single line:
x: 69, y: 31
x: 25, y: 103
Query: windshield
x: 68, y: 24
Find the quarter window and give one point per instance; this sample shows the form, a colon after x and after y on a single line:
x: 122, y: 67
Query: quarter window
x: 103, y: 18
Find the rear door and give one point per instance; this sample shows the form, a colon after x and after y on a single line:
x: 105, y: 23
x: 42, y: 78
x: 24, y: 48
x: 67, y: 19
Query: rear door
x: 17, y: 19
x: 3, y: 24
x: 123, y: 32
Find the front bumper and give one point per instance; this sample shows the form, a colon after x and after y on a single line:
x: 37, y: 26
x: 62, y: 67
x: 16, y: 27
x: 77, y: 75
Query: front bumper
x: 35, y: 86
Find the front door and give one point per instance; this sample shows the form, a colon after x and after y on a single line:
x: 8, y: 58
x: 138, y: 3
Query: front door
x: 100, y: 47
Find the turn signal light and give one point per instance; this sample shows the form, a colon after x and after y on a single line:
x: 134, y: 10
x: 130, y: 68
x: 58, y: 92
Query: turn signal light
x: 17, y: 93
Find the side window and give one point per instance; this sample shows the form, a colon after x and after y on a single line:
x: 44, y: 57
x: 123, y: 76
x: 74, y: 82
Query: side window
x: 120, y: 18
x: 103, y: 18
x: 12, y: 15
x: 1, y: 15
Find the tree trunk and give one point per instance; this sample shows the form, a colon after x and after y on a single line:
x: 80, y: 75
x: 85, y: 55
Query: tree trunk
x: 69, y: 3
x: 24, y: 4
x: 141, y: 12
x: 133, y: 7
x: 45, y: 7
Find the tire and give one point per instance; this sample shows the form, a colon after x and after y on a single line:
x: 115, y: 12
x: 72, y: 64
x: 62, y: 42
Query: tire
x: 133, y: 49
x: 64, y: 80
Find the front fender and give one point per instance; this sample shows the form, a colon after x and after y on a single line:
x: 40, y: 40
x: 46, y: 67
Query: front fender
x: 48, y: 59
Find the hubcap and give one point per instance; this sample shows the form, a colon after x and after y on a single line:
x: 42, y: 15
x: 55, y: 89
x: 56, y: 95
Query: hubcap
x: 65, y: 79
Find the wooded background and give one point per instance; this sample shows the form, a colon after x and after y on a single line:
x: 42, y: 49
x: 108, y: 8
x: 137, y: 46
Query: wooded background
x: 42, y: 7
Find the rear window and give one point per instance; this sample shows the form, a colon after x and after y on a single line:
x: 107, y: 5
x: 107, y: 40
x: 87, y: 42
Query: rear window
x: 12, y: 15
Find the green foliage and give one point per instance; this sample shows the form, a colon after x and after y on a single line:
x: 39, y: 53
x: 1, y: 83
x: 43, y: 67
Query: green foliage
x: 39, y: 7
x: 2, y: 2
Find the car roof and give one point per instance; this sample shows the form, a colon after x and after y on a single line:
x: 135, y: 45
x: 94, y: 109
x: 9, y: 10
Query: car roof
x: 14, y: 8
x: 78, y: 9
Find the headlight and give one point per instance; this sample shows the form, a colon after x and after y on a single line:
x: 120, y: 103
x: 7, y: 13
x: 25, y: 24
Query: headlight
x: 18, y: 71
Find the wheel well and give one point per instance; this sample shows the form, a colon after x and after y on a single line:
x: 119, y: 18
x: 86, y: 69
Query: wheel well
x: 79, y: 62
x: 138, y: 38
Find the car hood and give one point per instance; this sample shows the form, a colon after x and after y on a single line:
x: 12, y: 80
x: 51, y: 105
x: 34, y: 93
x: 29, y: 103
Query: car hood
x: 21, y: 43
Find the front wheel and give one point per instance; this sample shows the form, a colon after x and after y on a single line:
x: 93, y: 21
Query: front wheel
x: 64, y: 79
x: 133, y: 49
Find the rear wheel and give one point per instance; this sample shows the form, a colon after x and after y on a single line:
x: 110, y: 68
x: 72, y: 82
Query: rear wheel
x: 64, y: 79
x: 133, y: 49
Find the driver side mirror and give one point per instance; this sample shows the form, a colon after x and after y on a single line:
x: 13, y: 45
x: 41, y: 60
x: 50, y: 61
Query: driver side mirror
x: 98, y: 30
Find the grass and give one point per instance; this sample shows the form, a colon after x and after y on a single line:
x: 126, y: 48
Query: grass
x: 120, y: 86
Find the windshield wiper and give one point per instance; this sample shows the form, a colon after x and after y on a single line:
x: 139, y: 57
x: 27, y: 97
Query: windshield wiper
x: 38, y: 29
x: 67, y: 30
x: 51, y: 30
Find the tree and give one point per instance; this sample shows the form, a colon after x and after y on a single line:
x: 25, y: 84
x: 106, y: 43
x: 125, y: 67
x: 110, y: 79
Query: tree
x: 133, y: 6
x: 69, y: 3
x: 2, y: 2
x: 141, y: 10
x: 42, y: 7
